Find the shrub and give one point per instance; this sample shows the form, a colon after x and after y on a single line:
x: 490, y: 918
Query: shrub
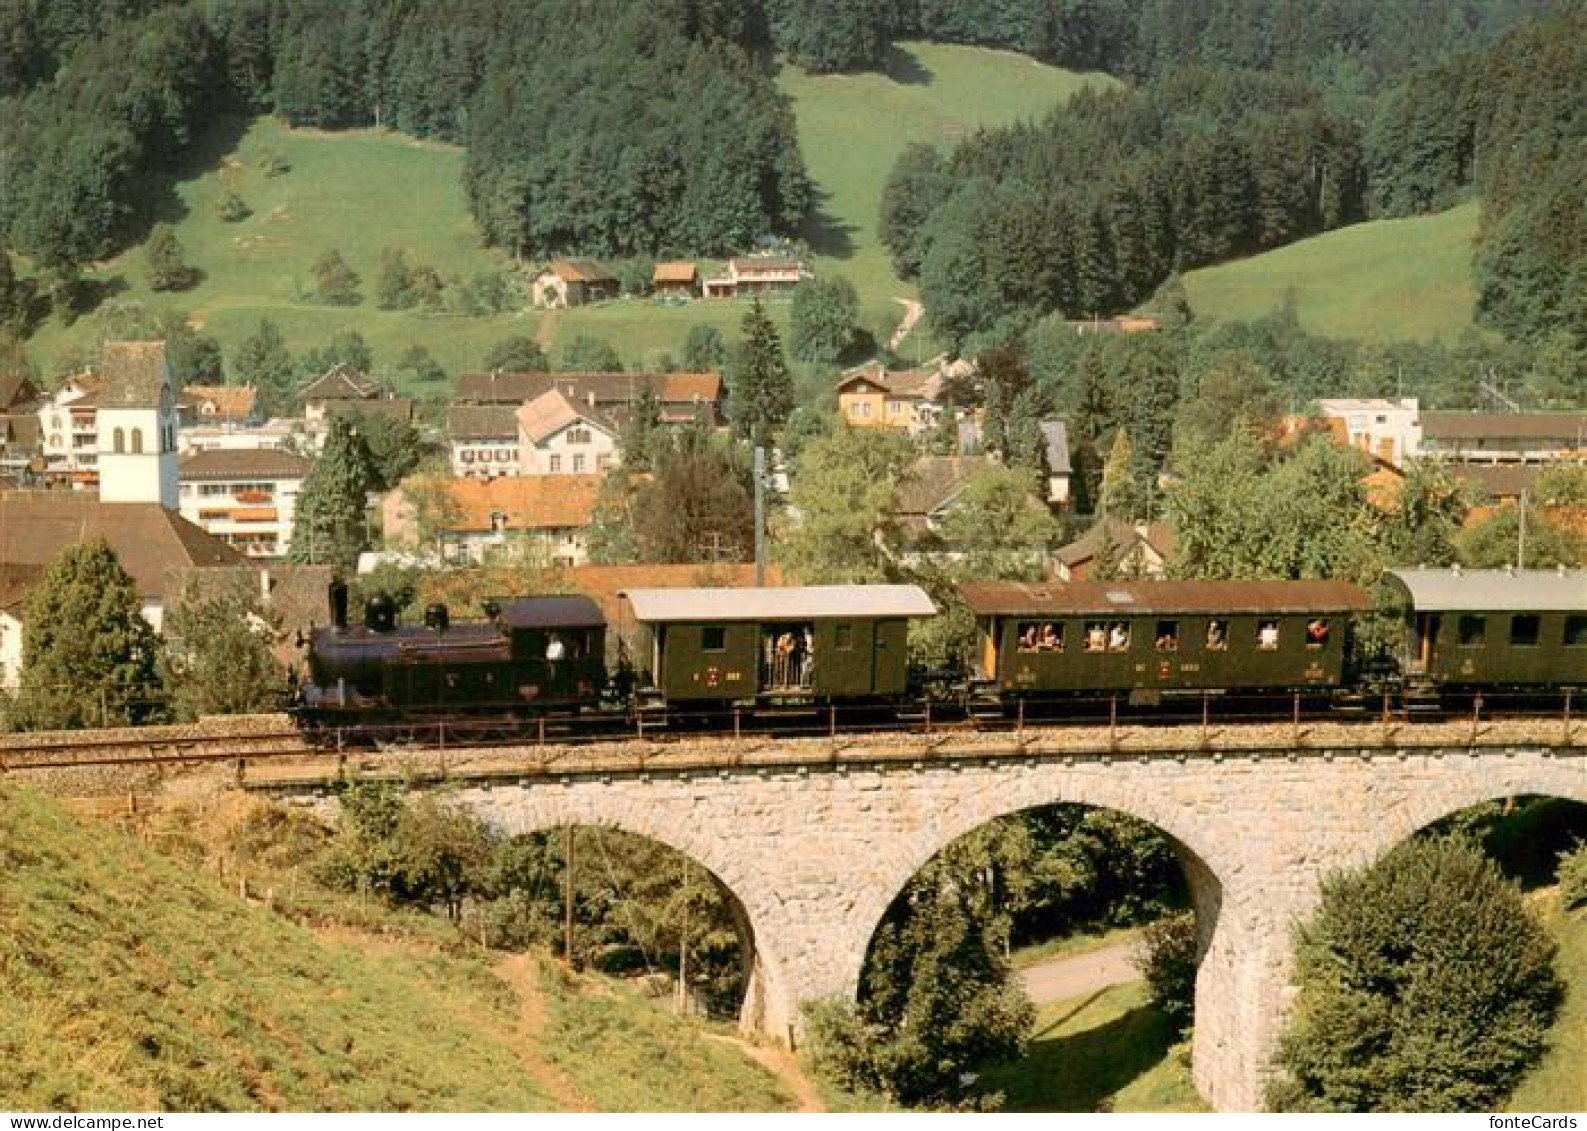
x: 1573, y: 877
x: 1425, y: 985
x: 232, y: 208
x: 1167, y: 960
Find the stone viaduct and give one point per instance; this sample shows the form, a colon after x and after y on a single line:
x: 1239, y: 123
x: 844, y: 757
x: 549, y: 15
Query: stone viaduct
x: 815, y: 843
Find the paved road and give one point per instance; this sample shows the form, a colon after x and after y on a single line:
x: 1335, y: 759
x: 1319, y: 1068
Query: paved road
x: 1057, y: 979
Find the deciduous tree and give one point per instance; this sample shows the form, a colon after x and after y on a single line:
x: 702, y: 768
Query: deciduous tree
x: 88, y: 657
x: 218, y: 659
x: 1426, y: 984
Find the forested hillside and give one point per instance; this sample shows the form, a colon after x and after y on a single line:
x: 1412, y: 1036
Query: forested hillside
x: 1094, y: 207
x: 592, y: 127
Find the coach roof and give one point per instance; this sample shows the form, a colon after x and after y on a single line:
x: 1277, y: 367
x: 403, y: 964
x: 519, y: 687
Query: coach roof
x: 808, y: 602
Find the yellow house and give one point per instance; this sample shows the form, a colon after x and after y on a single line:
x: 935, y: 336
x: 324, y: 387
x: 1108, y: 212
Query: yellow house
x: 872, y: 397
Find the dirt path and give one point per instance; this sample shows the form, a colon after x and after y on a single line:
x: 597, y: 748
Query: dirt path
x: 785, y: 1066
x: 546, y: 332
x: 912, y: 312
x: 1060, y: 978
x: 520, y: 972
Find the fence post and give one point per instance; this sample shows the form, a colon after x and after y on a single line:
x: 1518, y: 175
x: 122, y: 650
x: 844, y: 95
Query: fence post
x: 928, y: 716
x: 1566, y: 733
x: 832, y: 720
x: 1113, y: 721
x: 1295, y: 718
x: 1019, y: 721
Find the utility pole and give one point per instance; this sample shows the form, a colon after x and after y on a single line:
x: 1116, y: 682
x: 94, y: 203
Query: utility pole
x: 760, y: 515
x: 1520, y: 539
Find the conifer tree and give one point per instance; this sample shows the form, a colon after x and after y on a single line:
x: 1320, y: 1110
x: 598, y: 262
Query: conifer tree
x: 639, y: 433
x: 263, y: 362
x: 331, y: 526
x: 88, y: 656
x: 758, y: 380
x: 165, y: 261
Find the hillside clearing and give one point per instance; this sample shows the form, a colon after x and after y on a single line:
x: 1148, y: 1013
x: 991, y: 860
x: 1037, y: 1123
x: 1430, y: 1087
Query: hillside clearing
x: 1388, y: 280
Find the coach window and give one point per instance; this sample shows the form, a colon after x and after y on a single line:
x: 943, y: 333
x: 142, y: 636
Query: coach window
x: 1472, y: 632
x: 1316, y: 632
x: 1168, y: 636
x: 843, y: 637
x: 1267, y: 636
x: 1096, y: 637
x: 1217, y: 636
x: 1576, y: 631
x: 1119, y: 637
x: 1524, y: 630
x: 713, y: 638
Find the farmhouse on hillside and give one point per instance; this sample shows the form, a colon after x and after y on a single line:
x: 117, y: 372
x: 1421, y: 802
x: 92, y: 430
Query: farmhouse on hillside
x: 572, y: 282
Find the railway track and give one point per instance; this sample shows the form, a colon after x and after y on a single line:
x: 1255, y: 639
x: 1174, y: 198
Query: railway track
x: 275, y: 738
x: 250, y: 737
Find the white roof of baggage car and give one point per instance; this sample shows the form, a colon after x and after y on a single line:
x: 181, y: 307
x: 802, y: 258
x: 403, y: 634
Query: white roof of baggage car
x: 803, y: 602
x: 1495, y: 590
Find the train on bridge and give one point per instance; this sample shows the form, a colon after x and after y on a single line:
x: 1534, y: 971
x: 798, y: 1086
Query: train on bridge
x: 699, y: 656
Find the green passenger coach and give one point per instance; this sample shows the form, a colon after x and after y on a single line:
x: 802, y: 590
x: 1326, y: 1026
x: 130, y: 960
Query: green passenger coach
x: 1155, y: 638
x: 1469, y: 628
x: 816, y: 643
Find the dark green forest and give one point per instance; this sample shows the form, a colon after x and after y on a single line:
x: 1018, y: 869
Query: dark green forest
x: 1088, y: 211
x: 591, y: 127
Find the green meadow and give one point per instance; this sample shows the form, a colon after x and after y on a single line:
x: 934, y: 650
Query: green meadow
x: 360, y: 191
x: 1387, y: 280
x: 853, y: 127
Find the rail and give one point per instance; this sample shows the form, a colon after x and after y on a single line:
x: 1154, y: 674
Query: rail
x: 807, y: 735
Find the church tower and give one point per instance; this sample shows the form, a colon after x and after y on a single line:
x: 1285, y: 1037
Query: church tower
x: 137, y: 426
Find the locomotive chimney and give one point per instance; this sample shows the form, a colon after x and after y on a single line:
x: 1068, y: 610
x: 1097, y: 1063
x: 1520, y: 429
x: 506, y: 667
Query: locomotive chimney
x: 338, y: 599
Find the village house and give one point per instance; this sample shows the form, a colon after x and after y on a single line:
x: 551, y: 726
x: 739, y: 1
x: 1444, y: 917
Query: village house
x: 1055, y: 437
x: 757, y: 275
x: 1387, y: 430
x: 68, y: 425
x: 1140, y: 550
x: 482, y: 440
x: 1504, y: 437
x: 339, y: 387
x: 535, y: 518
x: 147, y: 539
x: 273, y: 435
x: 246, y: 498
x: 572, y: 282
x: 557, y: 437
x: 217, y: 404
x: 21, y: 432
x: 675, y: 280
x: 680, y: 397
x: 872, y: 396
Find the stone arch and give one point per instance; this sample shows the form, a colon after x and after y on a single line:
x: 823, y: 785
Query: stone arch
x: 1202, y: 859
x: 1234, y: 943
x: 1565, y: 778
x: 765, y: 1007
x: 118, y: 441
x: 137, y: 441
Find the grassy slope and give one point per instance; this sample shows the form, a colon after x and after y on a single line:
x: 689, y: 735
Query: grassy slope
x: 1383, y: 281
x: 1108, y: 1051
x: 853, y: 127
x: 134, y: 982
x: 1559, y: 1082
x: 359, y: 191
